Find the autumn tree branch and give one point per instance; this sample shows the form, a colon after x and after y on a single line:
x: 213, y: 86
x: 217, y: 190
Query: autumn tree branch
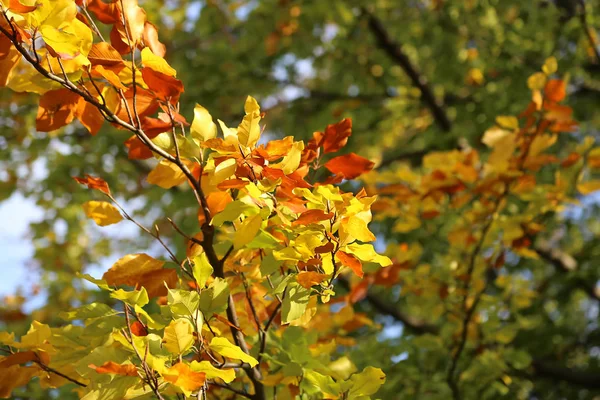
x: 394, y: 51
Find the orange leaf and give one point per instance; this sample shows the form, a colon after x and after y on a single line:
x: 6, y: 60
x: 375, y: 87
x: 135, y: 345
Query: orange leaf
x: 137, y: 149
x: 94, y: 183
x: 311, y: 217
x: 138, y: 329
x: 276, y: 149
x: 217, y: 201
x: 349, y: 166
x: 154, y: 126
x: 351, y: 262
x: 18, y: 358
x: 104, y: 54
x: 16, y: 6
x: 555, y: 90
x: 310, y: 278
x: 181, y: 375
x: 110, y: 367
x: 57, y: 109
x: 89, y: 116
x: 359, y: 291
x: 166, y: 87
x: 145, y: 101
x: 232, y: 184
x: 150, y: 37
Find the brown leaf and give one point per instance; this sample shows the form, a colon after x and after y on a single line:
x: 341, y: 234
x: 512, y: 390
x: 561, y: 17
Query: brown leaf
x: 137, y: 149
x: 18, y: 358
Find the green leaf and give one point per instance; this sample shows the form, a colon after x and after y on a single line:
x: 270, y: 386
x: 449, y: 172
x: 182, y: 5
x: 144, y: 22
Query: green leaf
x: 90, y: 311
x: 225, y: 348
x: 214, y: 298
x: 294, y: 303
x: 183, y: 302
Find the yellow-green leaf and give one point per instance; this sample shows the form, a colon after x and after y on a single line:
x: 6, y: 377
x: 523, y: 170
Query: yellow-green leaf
x: 202, y: 269
x: 227, y: 375
x: 225, y: 348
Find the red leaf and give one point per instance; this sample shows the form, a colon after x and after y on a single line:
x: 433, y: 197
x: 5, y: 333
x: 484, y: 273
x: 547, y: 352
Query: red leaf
x: 335, y: 136
x: 349, y: 166
x: 312, y: 216
x: 94, y: 183
x: 107, y: 13
x: 16, y: 6
x: 351, y: 262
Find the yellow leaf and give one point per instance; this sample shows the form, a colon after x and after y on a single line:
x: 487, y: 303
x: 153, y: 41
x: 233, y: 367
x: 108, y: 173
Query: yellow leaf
x: 223, y: 171
x: 291, y: 161
x: 550, y: 66
x: 247, y: 231
x: 36, y: 336
x: 182, y: 376
x: 102, y: 212
x: 366, y: 252
x: 588, y: 187
x: 537, y: 81
x: 166, y: 175
x: 202, y: 269
x: 494, y: 135
x: 249, y: 129
x: 358, y: 229
x: 203, y: 128
x: 179, y: 336
x: 156, y: 63
x: 222, y: 346
x: 508, y: 122
x: 227, y: 375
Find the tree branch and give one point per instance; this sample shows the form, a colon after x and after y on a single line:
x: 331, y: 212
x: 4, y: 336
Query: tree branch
x: 412, y: 323
x: 589, y: 380
x: 394, y: 51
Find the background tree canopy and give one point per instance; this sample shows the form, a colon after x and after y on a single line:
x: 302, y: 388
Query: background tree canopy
x: 493, y: 292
